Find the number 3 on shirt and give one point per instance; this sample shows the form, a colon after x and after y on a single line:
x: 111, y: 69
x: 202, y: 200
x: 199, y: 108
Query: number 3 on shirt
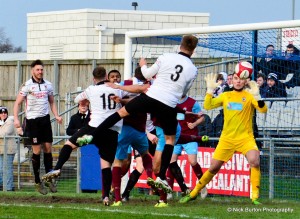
x: 175, y: 77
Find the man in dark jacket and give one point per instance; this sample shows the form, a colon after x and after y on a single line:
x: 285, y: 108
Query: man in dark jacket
x: 80, y: 119
x: 292, y: 65
x: 271, y: 63
x: 275, y: 88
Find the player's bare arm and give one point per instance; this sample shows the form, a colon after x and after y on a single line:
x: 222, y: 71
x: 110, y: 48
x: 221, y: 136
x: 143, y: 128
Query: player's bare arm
x: 17, y: 104
x: 54, y: 110
x: 135, y: 88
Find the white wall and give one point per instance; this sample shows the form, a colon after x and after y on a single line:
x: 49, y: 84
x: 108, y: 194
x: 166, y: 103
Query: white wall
x: 72, y: 34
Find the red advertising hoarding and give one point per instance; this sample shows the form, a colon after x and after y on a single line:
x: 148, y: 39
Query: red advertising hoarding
x: 232, y: 179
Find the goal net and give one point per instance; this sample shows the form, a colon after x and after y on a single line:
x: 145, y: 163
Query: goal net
x: 219, y: 49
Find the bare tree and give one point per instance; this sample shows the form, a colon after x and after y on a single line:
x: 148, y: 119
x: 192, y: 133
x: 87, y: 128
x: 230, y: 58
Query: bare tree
x: 6, y: 45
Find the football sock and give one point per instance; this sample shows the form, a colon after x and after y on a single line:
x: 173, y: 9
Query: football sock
x: 162, y: 195
x: 106, y: 181
x: 133, y: 178
x: 116, y: 182
x: 165, y: 160
x: 48, y: 160
x: 152, y: 147
x: 206, y: 178
x: 125, y: 167
x: 255, y: 182
x: 197, y: 170
x: 64, y: 155
x: 36, y: 162
x: 107, y: 123
x: 170, y: 178
x: 147, y: 163
x: 176, y: 172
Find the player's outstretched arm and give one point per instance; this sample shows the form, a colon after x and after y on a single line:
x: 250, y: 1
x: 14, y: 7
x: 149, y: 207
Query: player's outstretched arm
x: 135, y: 88
x: 148, y: 73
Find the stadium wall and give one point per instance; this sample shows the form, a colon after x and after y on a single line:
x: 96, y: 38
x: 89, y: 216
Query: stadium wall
x: 94, y: 33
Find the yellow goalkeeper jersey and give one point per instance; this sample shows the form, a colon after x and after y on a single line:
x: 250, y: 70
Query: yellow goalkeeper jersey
x: 238, y: 113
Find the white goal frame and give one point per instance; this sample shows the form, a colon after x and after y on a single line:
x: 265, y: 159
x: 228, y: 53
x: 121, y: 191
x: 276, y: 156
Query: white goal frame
x: 196, y: 30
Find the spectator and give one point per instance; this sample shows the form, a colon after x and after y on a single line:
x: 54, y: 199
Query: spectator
x: 217, y: 124
x: 77, y: 121
x: 262, y: 84
x: 271, y: 63
x: 7, y: 129
x: 222, y: 80
x: 80, y: 119
x: 229, y: 86
x: 291, y: 52
x: 274, y: 87
x: 292, y: 65
x: 205, y: 128
x: 261, y: 81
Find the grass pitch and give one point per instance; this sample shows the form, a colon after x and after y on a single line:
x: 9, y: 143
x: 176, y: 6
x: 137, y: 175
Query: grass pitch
x: 65, y: 205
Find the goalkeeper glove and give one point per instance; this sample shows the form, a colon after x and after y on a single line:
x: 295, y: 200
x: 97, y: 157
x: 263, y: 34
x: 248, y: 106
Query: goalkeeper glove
x: 211, y: 83
x: 254, y: 90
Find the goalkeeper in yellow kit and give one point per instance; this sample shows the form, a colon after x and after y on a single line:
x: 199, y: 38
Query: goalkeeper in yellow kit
x: 237, y: 134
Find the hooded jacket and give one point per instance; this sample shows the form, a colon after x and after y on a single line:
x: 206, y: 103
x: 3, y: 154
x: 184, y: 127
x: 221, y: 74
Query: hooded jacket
x: 8, y: 129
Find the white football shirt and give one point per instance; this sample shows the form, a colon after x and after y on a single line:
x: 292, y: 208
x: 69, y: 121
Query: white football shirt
x: 101, y: 105
x: 36, y: 94
x: 175, y: 74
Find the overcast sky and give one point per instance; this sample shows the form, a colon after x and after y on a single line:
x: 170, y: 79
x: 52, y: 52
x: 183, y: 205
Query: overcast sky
x: 14, y: 21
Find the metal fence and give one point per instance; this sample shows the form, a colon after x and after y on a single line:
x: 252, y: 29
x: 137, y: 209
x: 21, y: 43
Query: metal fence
x: 23, y: 172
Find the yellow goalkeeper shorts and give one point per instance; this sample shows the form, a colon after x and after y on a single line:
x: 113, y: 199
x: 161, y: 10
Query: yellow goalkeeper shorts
x: 225, y: 148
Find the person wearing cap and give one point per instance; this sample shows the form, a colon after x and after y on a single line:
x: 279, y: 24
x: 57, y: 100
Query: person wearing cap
x: 274, y: 87
x: 7, y: 129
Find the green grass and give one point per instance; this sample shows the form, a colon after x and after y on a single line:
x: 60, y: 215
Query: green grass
x: 65, y: 205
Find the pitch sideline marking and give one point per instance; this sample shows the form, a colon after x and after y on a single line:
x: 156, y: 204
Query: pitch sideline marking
x: 101, y: 210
